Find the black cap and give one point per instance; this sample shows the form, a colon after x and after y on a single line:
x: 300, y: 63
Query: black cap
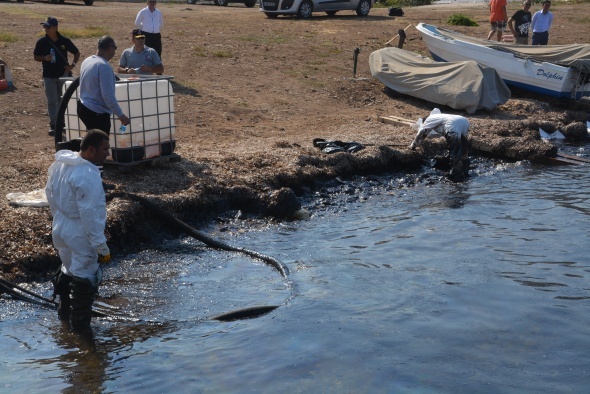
x: 51, y: 21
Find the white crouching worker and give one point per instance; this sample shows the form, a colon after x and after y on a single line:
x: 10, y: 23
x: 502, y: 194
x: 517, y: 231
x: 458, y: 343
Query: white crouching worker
x: 77, y: 201
x: 454, y: 128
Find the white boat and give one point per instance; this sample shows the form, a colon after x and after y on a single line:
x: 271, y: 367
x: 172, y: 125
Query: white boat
x: 464, y: 85
x: 554, y: 70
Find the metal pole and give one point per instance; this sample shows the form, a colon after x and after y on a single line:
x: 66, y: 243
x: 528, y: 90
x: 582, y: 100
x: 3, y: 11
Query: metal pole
x: 355, y: 57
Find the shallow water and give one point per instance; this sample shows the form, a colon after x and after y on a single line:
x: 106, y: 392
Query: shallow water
x: 474, y: 287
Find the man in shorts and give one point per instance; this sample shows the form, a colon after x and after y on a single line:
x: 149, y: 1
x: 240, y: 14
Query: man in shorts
x: 498, y: 18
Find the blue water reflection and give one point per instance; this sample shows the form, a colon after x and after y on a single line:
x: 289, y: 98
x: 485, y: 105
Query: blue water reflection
x: 475, y: 287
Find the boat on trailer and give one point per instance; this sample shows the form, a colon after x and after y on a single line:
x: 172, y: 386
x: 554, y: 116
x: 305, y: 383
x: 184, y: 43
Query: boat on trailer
x: 554, y: 70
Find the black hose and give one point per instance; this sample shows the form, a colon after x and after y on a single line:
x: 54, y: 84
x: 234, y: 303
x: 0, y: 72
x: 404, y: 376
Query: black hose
x: 63, y: 105
x: 10, y: 287
x: 172, y: 220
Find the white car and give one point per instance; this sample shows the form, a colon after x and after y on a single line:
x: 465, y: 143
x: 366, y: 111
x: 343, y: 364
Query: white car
x: 304, y: 8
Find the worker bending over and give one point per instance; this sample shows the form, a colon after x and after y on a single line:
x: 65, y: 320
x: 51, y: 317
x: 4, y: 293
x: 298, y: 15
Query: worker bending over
x: 454, y: 128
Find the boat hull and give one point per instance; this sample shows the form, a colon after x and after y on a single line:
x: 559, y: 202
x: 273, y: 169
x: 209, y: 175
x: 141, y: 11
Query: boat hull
x: 524, y: 73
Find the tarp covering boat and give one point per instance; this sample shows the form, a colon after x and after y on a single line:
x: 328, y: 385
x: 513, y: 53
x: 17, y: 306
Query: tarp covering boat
x: 572, y: 55
x: 460, y: 85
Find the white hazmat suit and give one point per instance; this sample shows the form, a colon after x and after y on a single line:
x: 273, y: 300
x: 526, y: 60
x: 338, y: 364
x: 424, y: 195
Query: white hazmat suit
x: 77, y: 202
x: 454, y: 128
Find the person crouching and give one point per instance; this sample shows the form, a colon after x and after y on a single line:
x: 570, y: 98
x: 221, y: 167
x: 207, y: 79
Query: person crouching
x: 454, y: 128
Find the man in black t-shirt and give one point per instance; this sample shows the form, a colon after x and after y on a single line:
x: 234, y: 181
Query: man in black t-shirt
x: 52, y: 50
x: 520, y: 22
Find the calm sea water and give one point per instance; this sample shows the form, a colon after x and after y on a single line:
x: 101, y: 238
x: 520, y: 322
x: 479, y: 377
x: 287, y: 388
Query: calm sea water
x: 475, y: 287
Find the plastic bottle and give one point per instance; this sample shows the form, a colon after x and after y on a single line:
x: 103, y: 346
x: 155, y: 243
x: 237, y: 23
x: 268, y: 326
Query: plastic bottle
x: 122, y: 129
x: 52, y: 53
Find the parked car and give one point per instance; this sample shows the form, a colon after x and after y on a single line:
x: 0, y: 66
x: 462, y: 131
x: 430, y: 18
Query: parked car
x: 223, y: 3
x: 304, y: 8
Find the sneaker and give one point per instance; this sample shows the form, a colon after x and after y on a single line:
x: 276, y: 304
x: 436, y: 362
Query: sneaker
x: 51, y: 132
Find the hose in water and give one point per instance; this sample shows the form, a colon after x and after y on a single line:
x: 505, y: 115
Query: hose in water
x: 173, y: 221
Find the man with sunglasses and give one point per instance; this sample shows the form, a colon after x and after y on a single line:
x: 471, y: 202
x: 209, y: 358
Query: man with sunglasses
x: 150, y: 21
x: 52, y: 51
x: 140, y: 59
x: 97, y: 89
x: 520, y: 22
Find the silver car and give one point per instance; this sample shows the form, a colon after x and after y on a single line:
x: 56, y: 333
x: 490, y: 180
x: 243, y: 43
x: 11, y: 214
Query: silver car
x: 304, y: 8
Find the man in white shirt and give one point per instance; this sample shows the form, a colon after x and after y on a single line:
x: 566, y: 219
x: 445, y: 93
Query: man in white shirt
x: 150, y: 21
x: 541, y: 24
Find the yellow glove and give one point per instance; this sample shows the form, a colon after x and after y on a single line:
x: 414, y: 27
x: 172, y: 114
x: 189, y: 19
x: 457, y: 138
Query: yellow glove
x: 104, y: 254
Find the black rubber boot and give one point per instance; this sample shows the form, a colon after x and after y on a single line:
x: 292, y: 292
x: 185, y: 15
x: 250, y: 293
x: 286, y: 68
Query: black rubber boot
x: 61, y: 287
x: 64, y: 310
x: 83, y: 295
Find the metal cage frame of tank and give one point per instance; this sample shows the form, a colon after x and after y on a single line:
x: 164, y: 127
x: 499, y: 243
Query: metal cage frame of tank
x: 139, y: 148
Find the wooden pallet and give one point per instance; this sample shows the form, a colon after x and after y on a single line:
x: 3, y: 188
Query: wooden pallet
x: 174, y: 158
x: 395, y: 120
x: 561, y: 158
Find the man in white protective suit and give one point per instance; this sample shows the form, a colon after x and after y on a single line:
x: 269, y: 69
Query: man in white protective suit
x: 454, y: 128
x: 77, y: 201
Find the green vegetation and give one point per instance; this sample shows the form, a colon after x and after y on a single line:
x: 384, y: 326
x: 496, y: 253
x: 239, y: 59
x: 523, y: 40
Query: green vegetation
x: 8, y: 37
x: 85, y: 32
x: 222, y: 53
x: 199, y: 52
x: 461, y: 20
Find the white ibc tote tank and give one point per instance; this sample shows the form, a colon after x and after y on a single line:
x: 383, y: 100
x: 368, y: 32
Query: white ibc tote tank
x: 149, y: 104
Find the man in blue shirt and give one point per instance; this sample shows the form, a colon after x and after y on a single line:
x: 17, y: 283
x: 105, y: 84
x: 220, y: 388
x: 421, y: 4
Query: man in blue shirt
x: 541, y: 24
x: 140, y: 59
x: 97, y: 89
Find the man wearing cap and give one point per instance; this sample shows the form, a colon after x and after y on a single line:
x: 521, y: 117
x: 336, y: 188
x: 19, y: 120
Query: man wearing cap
x: 52, y: 51
x: 140, y: 59
x: 97, y: 89
x: 150, y: 20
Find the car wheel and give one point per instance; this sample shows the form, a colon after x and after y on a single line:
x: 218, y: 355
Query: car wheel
x: 331, y: 13
x: 305, y: 9
x: 88, y: 2
x: 191, y: 1
x: 269, y: 15
x: 222, y: 3
x: 250, y: 3
x: 363, y: 8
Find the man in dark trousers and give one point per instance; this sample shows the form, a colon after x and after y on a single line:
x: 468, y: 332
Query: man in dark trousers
x: 150, y: 21
x: 97, y: 89
x: 541, y: 23
x: 52, y: 51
